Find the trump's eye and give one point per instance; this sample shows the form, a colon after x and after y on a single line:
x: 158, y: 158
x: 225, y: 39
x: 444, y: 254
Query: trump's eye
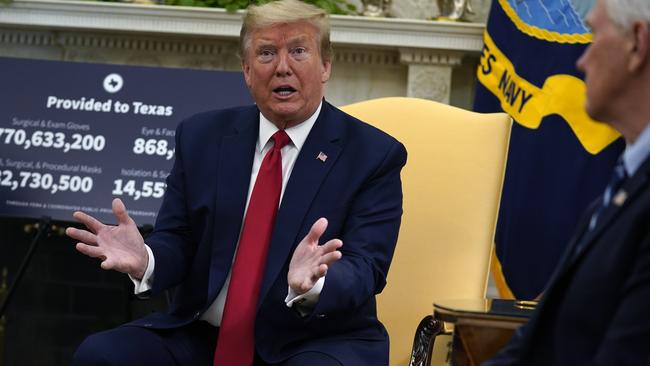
x: 265, y: 55
x: 299, y: 52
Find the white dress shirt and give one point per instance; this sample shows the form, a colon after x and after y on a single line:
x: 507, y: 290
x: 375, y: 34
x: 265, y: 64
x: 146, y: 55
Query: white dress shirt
x: 298, y: 134
x: 635, y: 153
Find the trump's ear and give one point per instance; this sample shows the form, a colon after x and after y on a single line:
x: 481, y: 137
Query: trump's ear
x: 246, y: 68
x: 640, y: 46
x: 326, y: 71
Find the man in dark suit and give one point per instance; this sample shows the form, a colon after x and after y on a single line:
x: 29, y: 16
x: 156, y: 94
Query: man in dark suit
x: 596, y: 309
x: 252, y: 284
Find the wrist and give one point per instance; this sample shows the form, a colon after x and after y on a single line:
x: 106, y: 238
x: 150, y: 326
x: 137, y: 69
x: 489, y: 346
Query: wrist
x: 301, y: 287
x: 142, y: 267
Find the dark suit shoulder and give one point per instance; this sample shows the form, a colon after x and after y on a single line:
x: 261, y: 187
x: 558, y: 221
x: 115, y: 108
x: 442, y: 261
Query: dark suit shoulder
x: 220, y: 121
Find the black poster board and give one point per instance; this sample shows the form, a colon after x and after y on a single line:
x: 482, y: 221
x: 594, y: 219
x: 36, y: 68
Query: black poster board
x: 74, y: 135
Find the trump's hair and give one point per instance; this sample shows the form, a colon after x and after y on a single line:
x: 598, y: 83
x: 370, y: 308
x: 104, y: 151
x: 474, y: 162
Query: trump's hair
x: 285, y: 12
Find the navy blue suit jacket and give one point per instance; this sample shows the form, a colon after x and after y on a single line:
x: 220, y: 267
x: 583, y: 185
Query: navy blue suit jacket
x: 596, y: 310
x: 357, y: 188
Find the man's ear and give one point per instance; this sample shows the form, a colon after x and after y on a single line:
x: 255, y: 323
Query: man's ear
x: 246, y: 68
x: 327, y: 71
x: 640, y: 47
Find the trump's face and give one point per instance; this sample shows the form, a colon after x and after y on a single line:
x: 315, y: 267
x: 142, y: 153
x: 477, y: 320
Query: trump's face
x: 604, y: 63
x: 285, y: 72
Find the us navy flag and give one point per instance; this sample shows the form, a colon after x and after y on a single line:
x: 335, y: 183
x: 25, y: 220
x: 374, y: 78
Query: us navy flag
x: 559, y: 158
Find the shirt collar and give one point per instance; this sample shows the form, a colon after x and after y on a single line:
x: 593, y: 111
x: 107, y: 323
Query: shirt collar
x: 298, y: 133
x: 636, y: 153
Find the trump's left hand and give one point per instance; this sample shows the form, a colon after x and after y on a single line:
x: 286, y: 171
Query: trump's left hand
x: 310, y: 260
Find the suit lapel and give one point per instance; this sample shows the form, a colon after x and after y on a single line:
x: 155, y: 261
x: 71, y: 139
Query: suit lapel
x: 585, y: 237
x: 233, y: 178
x: 305, y: 180
x: 626, y: 194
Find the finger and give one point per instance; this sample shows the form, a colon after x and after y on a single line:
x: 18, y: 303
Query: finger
x: 91, y: 251
x: 119, y: 210
x: 330, y: 258
x: 82, y: 235
x: 91, y: 223
x: 321, y: 271
x: 331, y: 246
x: 108, y: 264
x: 317, y: 230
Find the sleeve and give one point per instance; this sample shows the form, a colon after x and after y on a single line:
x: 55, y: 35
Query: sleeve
x: 369, y: 236
x: 142, y: 286
x: 304, y: 303
x: 171, y: 242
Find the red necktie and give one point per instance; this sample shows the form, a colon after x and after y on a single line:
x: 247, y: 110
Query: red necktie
x: 236, y: 343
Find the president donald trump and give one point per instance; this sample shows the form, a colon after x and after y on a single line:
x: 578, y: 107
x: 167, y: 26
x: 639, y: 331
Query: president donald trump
x: 277, y: 228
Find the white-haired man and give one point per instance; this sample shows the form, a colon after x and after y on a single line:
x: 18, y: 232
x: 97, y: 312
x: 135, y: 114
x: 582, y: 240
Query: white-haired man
x: 595, y: 309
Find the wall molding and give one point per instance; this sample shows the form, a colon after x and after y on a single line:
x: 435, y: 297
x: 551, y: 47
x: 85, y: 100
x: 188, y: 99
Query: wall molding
x: 373, y: 57
x: 213, y: 22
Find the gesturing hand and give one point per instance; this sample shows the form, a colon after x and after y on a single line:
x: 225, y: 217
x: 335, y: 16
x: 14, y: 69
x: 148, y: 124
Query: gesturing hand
x: 119, y: 247
x: 310, y: 260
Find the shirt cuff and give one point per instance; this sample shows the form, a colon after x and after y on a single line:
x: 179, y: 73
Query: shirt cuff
x: 145, y: 284
x: 307, y: 301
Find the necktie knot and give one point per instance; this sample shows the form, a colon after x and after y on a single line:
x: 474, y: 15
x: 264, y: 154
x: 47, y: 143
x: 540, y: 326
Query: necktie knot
x: 619, y: 169
x: 280, y: 139
x: 618, y: 176
x: 615, y: 181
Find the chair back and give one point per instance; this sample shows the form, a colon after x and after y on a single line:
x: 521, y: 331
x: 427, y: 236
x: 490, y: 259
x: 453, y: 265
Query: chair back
x: 452, y: 187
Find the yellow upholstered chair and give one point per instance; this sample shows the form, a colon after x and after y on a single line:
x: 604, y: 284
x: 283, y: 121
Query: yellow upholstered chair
x: 452, y: 186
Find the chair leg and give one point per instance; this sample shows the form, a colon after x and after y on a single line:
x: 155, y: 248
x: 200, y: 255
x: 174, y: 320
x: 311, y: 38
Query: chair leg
x: 425, y: 336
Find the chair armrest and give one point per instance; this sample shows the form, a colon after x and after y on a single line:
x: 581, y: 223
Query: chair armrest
x: 425, y: 336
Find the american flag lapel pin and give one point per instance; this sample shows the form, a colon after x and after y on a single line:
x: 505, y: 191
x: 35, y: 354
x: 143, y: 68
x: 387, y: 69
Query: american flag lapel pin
x: 619, y: 198
x: 321, y: 156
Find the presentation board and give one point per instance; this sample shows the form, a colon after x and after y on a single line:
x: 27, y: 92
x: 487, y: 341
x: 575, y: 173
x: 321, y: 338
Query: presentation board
x: 75, y: 135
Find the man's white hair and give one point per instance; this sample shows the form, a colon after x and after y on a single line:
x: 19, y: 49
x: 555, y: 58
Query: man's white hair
x: 624, y: 13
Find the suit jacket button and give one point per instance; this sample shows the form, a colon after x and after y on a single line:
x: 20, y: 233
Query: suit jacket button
x: 320, y: 316
x: 197, y: 315
x: 148, y: 325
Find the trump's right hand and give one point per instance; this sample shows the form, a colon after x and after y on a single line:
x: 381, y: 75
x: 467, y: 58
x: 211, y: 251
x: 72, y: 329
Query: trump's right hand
x: 120, y: 247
